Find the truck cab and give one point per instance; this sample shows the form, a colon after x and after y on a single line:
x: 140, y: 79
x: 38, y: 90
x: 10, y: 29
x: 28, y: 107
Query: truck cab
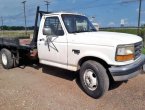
x: 58, y: 38
x: 70, y: 41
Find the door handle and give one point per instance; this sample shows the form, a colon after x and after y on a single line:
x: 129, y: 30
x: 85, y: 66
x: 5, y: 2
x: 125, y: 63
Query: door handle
x: 41, y: 39
x: 76, y: 51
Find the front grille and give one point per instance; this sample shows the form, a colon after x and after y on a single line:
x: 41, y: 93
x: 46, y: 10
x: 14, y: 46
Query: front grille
x: 138, y: 47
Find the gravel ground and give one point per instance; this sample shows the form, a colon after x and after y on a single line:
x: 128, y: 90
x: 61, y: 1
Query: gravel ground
x: 48, y: 88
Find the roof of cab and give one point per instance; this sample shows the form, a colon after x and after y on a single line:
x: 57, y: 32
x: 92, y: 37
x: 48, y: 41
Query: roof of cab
x: 60, y: 13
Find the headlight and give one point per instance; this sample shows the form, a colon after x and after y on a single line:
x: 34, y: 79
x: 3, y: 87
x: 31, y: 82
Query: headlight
x: 125, y: 53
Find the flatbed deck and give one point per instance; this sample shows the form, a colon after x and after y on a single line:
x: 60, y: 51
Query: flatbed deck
x: 18, y: 43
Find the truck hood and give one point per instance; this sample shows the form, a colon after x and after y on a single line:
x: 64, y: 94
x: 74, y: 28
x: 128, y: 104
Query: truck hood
x: 105, y: 38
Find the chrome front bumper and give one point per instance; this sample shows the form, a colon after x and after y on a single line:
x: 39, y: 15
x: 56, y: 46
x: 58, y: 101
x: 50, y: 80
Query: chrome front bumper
x: 122, y: 73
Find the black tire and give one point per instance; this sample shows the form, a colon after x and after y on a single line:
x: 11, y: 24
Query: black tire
x: 8, y: 55
x: 100, y: 76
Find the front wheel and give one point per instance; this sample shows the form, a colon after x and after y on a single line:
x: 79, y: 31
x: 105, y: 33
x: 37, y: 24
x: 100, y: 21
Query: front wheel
x: 94, y: 79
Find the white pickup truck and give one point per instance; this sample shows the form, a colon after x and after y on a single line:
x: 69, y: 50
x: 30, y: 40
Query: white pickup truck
x: 70, y: 41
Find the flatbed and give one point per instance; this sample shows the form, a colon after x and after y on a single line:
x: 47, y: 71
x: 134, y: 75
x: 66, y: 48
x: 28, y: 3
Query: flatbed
x: 22, y: 48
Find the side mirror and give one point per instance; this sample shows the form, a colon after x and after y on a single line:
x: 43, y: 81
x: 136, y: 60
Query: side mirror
x: 47, y: 31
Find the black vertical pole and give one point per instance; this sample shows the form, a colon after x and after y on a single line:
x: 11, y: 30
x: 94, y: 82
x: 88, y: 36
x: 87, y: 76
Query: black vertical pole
x: 35, y: 34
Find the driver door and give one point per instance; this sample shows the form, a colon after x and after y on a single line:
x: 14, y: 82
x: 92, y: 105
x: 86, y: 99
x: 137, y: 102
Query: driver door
x: 52, y: 47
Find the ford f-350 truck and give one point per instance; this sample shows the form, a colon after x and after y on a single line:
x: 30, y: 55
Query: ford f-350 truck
x: 70, y: 41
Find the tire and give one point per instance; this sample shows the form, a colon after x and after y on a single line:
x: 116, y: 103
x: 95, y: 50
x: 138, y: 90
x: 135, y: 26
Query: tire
x: 94, y: 79
x: 6, y: 59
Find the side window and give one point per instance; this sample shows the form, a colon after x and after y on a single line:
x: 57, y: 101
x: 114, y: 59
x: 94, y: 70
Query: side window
x: 81, y: 25
x: 69, y: 23
x: 54, y: 24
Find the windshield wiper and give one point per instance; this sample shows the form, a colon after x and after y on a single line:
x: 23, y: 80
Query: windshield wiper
x: 93, y: 30
x: 79, y: 31
x: 76, y: 32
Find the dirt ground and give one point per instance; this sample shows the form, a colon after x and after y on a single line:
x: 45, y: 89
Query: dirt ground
x: 48, y: 88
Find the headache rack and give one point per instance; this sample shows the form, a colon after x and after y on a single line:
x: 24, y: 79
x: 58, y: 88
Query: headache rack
x: 35, y: 34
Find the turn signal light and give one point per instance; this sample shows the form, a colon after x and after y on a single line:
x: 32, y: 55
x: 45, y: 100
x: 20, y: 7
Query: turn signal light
x: 122, y: 58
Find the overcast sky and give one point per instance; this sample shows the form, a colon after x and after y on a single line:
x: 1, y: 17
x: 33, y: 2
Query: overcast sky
x: 106, y: 12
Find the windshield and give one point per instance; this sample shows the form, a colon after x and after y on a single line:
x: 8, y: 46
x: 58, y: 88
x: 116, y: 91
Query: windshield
x: 77, y: 23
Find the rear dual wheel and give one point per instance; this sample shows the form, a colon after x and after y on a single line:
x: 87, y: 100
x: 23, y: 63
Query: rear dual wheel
x: 6, y: 59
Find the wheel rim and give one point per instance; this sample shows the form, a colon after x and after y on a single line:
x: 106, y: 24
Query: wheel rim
x: 4, y: 59
x: 90, y: 79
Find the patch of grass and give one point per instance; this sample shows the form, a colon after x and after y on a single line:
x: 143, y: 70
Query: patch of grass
x: 15, y: 34
x: 125, y: 30
x: 130, y: 31
x: 143, y: 50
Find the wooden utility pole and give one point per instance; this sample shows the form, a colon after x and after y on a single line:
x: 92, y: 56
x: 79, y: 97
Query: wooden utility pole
x: 47, y: 4
x: 139, y: 16
x: 2, y: 21
x: 24, y: 3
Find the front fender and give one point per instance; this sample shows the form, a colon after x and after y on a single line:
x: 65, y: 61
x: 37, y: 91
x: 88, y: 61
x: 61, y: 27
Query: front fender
x: 105, y: 57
